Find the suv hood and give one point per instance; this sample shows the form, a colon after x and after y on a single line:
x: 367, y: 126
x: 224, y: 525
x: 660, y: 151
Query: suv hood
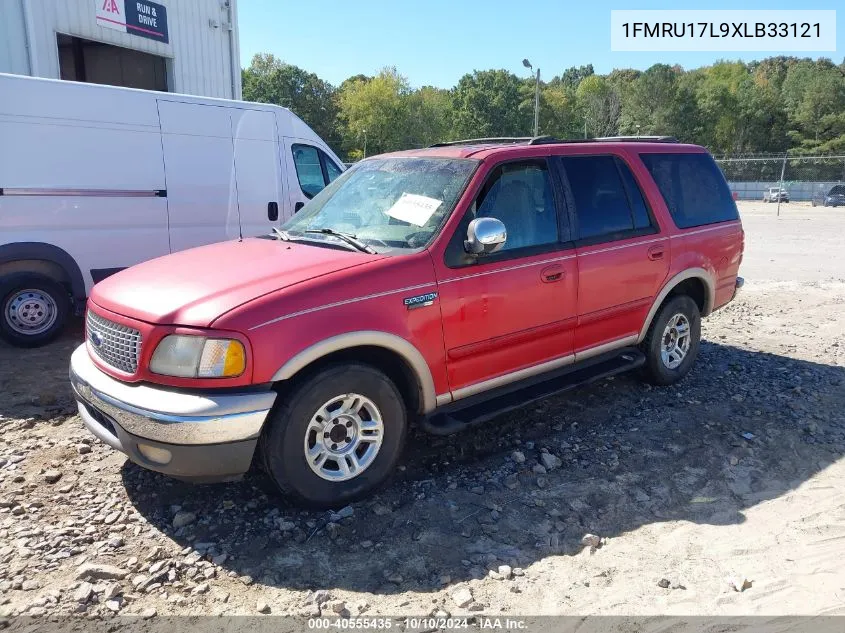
x: 196, y: 286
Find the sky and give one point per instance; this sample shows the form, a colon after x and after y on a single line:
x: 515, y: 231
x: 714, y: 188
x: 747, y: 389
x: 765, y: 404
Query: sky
x: 436, y: 42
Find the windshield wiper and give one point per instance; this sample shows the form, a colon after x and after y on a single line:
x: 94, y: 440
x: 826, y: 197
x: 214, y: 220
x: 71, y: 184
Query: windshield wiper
x: 346, y: 237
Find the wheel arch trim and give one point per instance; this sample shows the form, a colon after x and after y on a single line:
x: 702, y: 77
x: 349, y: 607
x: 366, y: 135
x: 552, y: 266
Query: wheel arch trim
x: 16, y: 251
x: 367, y: 338
x: 690, y: 273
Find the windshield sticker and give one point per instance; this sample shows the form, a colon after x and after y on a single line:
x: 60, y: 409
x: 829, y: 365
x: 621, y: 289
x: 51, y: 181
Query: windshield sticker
x: 414, y: 209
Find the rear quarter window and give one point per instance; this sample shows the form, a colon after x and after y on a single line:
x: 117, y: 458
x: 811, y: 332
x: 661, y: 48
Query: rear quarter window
x: 693, y: 188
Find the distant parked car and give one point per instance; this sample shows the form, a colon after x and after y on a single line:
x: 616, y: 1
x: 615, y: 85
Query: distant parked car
x: 833, y: 198
x: 773, y: 194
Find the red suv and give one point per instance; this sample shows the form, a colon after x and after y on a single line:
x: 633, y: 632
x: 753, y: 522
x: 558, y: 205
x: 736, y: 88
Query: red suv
x: 441, y: 286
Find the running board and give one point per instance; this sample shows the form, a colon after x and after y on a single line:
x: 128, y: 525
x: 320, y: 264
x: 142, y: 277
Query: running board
x: 462, y: 414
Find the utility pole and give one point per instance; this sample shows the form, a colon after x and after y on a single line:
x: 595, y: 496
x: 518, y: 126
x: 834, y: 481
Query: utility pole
x: 365, y: 143
x: 528, y: 65
x: 585, y: 126
x: 780, y: 184
x: 537, y: 105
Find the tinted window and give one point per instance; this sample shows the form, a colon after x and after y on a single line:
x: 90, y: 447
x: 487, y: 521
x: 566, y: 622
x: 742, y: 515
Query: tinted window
x: 308, y: 170
x: 601, y: 204
x: 332, y: 170
x: 642, y: 218
x: 693, y: 187
x: 521, y: 196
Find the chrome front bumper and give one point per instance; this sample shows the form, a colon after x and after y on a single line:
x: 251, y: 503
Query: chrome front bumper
x: 208, y: 436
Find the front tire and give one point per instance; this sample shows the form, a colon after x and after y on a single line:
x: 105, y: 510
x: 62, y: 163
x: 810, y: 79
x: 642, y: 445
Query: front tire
x: 336, y: 437
x: 672, y: 342
x: 35, y: 309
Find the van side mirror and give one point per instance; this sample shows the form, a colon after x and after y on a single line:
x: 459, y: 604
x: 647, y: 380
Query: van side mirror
x: 485, y: 236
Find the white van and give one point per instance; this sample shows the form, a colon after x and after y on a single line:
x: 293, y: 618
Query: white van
x: 97, y: 178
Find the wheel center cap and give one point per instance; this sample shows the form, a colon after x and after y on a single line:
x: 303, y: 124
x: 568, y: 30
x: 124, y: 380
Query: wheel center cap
x: 338, y: 433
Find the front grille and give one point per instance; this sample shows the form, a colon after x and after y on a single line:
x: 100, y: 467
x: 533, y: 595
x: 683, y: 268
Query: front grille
x: 115, y: 344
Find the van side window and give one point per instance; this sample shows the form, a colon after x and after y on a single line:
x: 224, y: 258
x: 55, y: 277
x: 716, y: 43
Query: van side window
x: 693, y: 187
x: 308, y: 169
x: 606, y: 207
x: 314, y: 169
x: 332, y: 170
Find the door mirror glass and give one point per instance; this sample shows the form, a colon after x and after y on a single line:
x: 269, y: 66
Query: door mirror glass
x: 485, y: 236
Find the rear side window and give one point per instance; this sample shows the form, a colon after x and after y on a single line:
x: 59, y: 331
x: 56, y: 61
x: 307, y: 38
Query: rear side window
x: 608, y: 202
x: 693, y: 187
x: 642, y: 217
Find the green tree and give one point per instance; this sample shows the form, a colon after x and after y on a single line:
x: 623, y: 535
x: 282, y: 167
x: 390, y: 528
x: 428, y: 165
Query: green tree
x: 574, y: 75
x: 378, y: 110
x: 559, y: 114
x: 814, y: 94
x: 599, y: 103
x: 487, y: 103
x: 270, y: 80
x: 430, y: 116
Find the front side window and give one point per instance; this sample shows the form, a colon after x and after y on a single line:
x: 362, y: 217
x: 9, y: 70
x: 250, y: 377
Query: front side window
x: 306, y: 159
x: 693, y: 187
x: 387, y: 203
x: 522, y: 197
x: 601, y: 202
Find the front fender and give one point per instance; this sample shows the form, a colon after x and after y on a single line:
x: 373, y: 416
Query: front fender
x: 410, y: 354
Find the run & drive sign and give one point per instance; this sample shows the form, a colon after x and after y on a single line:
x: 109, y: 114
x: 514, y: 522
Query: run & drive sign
x: 137, y: 17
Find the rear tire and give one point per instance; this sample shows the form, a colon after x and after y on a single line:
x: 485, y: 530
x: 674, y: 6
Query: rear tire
x: 336, y: 437
x: 35, y: 309
x: 672, y: 342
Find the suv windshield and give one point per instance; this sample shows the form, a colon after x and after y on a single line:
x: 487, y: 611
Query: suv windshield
x: 386, y: 203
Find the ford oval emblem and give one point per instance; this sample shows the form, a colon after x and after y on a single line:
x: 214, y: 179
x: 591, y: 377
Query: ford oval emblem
x: 96, y: 339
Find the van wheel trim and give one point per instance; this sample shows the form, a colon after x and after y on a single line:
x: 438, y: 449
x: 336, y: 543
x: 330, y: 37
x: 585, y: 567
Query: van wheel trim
x: 343, y: 437
x: 30, y: 311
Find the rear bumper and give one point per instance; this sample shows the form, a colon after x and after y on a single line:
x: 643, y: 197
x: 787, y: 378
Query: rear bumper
x: 198, y: 435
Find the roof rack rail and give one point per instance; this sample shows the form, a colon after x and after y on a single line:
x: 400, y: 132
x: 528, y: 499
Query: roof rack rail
x: 547, y: 140
x: 486, y: 141
x: 641, y: 139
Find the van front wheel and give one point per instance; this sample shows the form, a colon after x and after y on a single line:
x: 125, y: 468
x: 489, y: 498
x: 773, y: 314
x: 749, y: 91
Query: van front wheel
x: 35, y: 309
x: 336, y: 437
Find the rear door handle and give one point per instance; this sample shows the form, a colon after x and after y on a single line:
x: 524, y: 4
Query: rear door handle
x: 656, y: 252
x: 272, y: 211
x: 551, y: 274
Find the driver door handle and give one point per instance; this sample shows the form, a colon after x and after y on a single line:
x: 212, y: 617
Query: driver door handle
x: 656, y: 252
x: 551, y: 274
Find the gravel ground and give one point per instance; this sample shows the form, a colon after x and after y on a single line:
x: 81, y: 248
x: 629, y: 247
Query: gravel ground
x: 720, y: 495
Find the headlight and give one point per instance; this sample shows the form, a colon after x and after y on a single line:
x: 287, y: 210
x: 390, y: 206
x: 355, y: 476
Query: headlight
x: 198, y: 357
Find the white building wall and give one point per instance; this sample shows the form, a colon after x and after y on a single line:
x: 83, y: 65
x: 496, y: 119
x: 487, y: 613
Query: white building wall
x: 13, y: 53
x: 199, y: 57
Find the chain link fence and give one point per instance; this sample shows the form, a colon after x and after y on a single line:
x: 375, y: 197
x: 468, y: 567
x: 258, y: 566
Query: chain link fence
x: 805, y: 178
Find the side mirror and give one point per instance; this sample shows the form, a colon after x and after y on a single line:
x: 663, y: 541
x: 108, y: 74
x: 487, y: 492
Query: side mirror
x: 485, y: 236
